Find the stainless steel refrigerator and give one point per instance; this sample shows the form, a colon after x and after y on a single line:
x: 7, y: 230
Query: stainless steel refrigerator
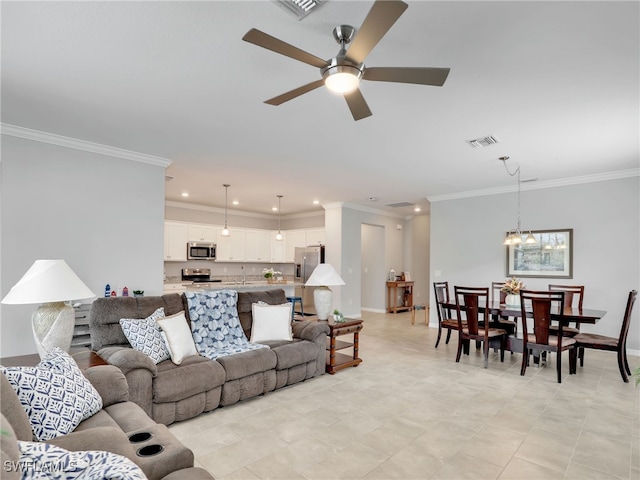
x: 306, y: 260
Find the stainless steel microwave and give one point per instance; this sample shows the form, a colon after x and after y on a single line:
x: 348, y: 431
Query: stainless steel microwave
x: 201, y: 251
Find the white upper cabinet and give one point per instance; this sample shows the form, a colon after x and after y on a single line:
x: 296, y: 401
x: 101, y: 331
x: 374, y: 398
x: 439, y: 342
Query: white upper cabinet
x: 231, y: 248
x: 315, y: 236
x: 293, y: 239
x: 202, y: 233
x: 258, y: 246
x: 175, y: 241
x: 277, y: 247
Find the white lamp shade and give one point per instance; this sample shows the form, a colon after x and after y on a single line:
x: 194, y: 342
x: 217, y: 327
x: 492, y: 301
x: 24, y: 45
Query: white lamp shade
x: 324, y: 275
x: 48, y: 281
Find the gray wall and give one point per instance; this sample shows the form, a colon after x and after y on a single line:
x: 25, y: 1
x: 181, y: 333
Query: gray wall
x: 101, y: 214
x: 467, y: 235
x: 373, y: 274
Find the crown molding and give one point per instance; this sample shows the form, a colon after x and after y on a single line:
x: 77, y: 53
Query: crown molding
x: 364, y: 208
x: 76, y: 144
x: 239, y: 213
x: 600, y: 177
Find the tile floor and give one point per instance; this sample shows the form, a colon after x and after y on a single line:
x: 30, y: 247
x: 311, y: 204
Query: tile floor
x: 410, y: 412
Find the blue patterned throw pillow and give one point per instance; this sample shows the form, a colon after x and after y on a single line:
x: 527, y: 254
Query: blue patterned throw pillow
x: 40, y: 461
x: 145, y: 336
x: 215, y: 324
x: 55, y: 394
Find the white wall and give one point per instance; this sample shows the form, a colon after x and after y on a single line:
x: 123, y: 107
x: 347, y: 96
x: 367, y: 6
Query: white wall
x: 103, y: 215
x: 467, y: 235
x: 373, y: 274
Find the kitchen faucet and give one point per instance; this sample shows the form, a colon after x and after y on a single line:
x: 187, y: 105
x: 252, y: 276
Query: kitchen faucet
x: 244, y: 275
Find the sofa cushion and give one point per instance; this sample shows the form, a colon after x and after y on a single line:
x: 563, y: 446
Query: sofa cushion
x: 55, y: 394
x: 215, y: 324
x: 186, y: 380
x: 145, y: 336
x: 290, y: 354
x: 13, y: 409
x: 271, y: 322
x: 60, y: 463
x: 247, y: 299
x: 244, y: 364
x: 177, y: 337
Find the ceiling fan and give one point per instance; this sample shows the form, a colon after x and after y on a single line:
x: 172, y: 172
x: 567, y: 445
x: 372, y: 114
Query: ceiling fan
x: 342, y: 73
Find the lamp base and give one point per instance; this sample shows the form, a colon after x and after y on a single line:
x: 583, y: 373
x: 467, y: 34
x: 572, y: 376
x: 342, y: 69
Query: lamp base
x: 322, y: 298
x: 52, y: 326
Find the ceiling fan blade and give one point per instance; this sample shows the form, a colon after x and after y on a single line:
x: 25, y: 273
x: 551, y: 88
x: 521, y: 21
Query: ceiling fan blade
x: 421, y: 76
x: 380, y: 19
x: 274, y: 44
x: 285, y: 97
x: 357, y: 105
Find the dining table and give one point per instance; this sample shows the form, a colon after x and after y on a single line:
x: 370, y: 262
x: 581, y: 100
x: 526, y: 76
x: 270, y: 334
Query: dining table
x: 514, y: 342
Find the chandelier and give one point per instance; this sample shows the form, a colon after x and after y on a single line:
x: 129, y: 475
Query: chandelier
x: 516, y: 237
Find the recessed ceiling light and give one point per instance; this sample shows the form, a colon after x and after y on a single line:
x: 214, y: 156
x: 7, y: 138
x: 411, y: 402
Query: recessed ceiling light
x: 416, y: 209
x: 275, y: 209
x: 316, y: 202
x: 236, y: 202
x: 185, y: 194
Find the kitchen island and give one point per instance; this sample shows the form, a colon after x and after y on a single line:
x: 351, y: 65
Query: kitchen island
x: 289, y: 288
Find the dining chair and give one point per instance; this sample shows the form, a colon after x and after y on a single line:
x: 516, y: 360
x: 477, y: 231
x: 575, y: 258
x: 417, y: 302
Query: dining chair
x: 573, y: 297
x: 471, y: 302
x: 506, y: 322
x: 445, y: 320
x: 539, y: 307
x: 601, y: 342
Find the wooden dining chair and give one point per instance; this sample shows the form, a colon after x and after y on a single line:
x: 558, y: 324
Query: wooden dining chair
x: 445, y: 320
x: 510, y: 324
x: 471, y: 303
x: 538, y: 306
x: 601, y: 342
x: 573, y: 297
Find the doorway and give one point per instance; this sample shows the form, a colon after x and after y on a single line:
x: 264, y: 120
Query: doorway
x: 373, y: 269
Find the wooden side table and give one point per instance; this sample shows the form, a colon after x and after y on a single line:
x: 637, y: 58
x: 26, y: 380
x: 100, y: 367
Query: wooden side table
x: 84, y: 358
x: 392, y: 296
x: 337, y: 361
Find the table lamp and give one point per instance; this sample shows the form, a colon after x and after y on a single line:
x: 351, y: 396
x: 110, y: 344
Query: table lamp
x: 52, y: 283
x: 323, y: 277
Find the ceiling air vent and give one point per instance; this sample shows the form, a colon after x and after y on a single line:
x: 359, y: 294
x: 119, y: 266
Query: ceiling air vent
x: 483, y: 141
x: 300, y: 8
x: 400, y: 204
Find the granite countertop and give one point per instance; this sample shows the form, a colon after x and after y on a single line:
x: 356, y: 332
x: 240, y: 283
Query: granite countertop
x: 252, y: 285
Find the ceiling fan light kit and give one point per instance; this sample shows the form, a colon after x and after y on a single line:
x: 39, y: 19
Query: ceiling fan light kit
x: 343, y: 72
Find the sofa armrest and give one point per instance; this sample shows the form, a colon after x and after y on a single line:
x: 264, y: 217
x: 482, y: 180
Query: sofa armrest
x: 128, y: 359
x: 110, y: 439
x: 138, y: 369
x: 110, y: 383
x: 310, y: 330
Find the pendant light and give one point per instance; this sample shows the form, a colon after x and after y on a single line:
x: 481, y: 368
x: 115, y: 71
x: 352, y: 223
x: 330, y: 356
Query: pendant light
x: 225, y: 230
x: 516, y: 237
x: 279, y: 234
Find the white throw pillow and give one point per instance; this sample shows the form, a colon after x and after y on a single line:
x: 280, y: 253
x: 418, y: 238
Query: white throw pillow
x: 55, y: 394
x: 178, y: 336
x: 144, y: 336
x: 271, y: 322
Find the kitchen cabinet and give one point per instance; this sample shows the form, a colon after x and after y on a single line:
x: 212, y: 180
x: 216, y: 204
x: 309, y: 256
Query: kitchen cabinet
x: 315, y: 236
x: 293, y: 239
x: 257, y: 246
x: 202, y: 233
x: 176, y: 236
x: 231, y: 248
x: 277, y: 248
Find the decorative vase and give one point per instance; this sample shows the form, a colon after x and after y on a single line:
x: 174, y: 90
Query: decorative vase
x: 513, y: 300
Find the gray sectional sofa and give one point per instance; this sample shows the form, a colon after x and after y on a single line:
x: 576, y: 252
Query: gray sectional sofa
x: 168, y: 392
x: 155, y: 450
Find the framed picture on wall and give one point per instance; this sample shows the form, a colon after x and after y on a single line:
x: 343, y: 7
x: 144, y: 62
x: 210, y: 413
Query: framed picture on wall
x: 550, y: 257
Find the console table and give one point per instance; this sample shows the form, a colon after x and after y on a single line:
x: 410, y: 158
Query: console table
x: 337, y: 361
x: 406, y: 289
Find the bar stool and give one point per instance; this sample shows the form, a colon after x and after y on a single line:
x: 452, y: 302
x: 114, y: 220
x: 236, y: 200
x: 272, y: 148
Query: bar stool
x: 293, y: 301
